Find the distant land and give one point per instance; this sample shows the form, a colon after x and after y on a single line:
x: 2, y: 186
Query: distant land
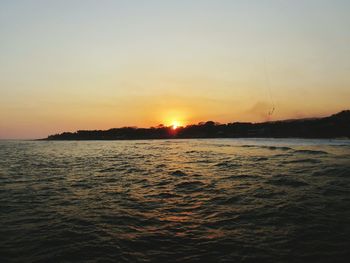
x: 334, y: 126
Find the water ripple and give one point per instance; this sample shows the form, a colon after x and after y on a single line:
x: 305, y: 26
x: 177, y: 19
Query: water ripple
x: 244, y: 200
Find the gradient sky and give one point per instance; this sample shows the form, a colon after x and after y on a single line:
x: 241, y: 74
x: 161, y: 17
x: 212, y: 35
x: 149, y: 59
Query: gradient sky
x: 69, y: 65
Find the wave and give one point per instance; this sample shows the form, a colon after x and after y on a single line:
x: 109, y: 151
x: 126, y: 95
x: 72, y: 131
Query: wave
x: 312, y: 152
x: 285, y: 181
x: 306, y: 160
x: 282, y: 148
x: 190, y: 185
x: 228, y: 164
x: 178, y: 173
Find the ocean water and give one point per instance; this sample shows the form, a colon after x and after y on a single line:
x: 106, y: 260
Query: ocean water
x: 209, y: 200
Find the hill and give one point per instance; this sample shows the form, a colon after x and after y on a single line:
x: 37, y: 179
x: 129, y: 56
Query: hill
x: 334, y: 126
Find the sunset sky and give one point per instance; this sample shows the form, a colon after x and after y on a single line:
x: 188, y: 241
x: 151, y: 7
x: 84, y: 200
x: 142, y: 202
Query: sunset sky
x: 70, y: 65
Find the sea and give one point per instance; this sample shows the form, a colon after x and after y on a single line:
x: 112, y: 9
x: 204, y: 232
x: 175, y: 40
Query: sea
x: 198, y: 200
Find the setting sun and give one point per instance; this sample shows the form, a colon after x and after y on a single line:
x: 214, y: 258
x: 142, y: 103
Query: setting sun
x: 175, y: 125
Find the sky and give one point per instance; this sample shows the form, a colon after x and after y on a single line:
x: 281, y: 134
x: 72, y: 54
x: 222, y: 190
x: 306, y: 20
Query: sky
x: 75, y: 65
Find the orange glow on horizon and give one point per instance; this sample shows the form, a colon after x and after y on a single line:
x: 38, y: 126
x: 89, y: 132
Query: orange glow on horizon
x: 175, y: 117
x: 175, y: 125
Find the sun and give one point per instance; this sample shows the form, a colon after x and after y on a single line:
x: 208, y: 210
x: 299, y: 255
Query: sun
x: 174, y: 119
x: 175, y: 125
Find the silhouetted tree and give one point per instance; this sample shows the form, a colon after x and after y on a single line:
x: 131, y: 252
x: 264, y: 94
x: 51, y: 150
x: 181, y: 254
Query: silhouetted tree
x: 337, y: 125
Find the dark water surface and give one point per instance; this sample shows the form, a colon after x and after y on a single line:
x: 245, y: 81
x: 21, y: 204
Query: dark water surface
x: 221, y: 200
